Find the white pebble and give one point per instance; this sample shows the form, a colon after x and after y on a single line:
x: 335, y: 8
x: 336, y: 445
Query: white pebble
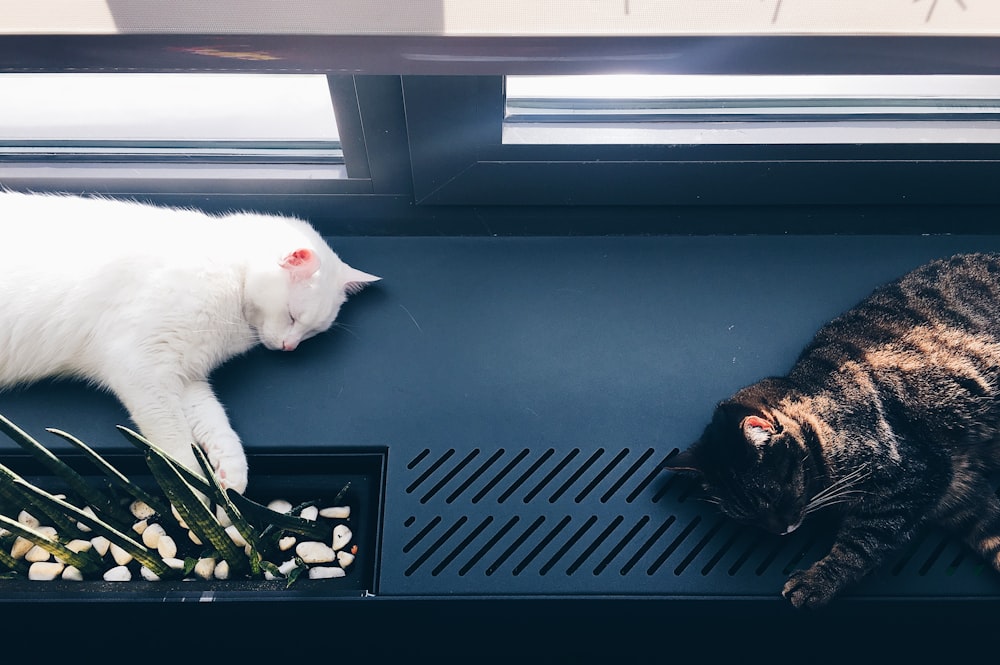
x: 236, y: 536
x: 312, y: 551
x: 149, y: 575
x: 45, y: 570
x: 121, y: 557
x: 140, y: 526
x: 221, y: 570
x: 174, y: 562
x: 194, y: 538
x: 72, y: 573
x: 48, y: 531
x: 341, y: 536
x: 280, y: 506
x: 166, y: 547
x: 141, y: 510
x: 37, y: 554
x: 101, y: 544
x: 336, y: 512
x: 287, y: 543
x: 27, y: 519
x: 177, y: 516
x: 309, y: 513
x: 20, y: 547
x: 78, y: 545
x: 325, y: 572
x: 345, y: 558
x: 287, y: 567
x: 223, y: 517
x: 118, y: 574
x: 151, y: 536
x: 87, y: 510
x: 205, y: 568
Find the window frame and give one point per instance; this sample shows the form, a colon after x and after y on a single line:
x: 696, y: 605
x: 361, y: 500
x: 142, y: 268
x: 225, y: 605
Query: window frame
x: 459, y: 159
x: 425, y: 114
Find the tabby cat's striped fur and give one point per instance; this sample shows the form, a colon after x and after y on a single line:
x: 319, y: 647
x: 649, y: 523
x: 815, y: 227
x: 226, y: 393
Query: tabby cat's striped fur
x: 890, y: 416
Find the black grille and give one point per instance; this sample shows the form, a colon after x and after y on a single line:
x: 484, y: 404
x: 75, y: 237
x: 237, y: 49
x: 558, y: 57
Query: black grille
x: 607, y: 521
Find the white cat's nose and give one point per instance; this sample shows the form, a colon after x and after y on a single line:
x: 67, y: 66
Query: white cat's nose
x: 288, y: 346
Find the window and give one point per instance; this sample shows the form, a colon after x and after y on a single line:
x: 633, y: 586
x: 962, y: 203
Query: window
x: 748, y: 109
x: 163, y: 132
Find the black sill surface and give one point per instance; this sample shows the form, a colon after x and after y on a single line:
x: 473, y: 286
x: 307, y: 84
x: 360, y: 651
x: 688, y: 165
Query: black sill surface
x: 526, y: 391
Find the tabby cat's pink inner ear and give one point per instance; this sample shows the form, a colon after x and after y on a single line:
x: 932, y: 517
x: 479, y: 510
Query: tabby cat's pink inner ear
x: 757, y: 430
x: 755, y: 421
x: 301, y: 264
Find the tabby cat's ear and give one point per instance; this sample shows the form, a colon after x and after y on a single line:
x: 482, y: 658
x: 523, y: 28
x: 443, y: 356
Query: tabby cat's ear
x: 757, y: 430
x: 683, y: 462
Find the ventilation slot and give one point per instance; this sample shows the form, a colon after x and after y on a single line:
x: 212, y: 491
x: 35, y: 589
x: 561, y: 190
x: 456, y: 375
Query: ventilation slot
x: 655, y: 472
x: 601, y: 476
x: 447, y: 478
x: 615, y: 551
x: 500, y: 476
x: 552, y: 474
x: 433, y: 548
x: 646, y: 546
x: 673, y: 546
x: 576, y: 475
x: 474, y: 476
x: 515, y: 545
x: 420, y: 536
x: 628, y: 474
x: 519, y: 568
x: 429, y: 471
x: 717, y: 557
x: 497, y: 537
x: 595, y: 546
x: 698, y: 548
x: 445, y: 562
x: 527, y: 474
x: 573, y: 540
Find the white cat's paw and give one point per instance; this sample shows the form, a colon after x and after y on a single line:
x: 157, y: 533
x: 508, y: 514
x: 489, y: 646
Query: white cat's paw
x: 231, y: 470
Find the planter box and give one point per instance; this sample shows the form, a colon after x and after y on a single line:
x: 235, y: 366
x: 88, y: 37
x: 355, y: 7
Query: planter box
x: 295, y: 476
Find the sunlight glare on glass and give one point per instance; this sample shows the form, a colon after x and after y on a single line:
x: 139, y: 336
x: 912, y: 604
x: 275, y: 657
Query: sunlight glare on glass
x: 690, y: 109
x: 166, y: 107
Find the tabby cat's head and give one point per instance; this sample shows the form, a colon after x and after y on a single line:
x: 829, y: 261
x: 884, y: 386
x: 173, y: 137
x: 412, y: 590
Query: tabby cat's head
x: 751, y: 462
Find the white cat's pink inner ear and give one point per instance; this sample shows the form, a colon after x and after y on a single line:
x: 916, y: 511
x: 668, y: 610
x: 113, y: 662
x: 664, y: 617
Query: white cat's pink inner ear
x: 301, y: 264
x: 355, y: 280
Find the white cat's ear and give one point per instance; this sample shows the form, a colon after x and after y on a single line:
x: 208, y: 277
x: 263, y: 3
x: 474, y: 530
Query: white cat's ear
x: 757, y: 430
x: 355, y: 280
x: 301, y: 264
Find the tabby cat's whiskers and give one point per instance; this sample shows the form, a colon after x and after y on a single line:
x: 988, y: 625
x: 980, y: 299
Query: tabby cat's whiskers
x: 842, y: 490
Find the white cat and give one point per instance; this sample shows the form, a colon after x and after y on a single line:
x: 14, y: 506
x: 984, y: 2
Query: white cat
x: 147, y: 301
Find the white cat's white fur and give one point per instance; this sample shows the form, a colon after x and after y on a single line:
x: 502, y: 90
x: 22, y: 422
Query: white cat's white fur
x: 147, y: 301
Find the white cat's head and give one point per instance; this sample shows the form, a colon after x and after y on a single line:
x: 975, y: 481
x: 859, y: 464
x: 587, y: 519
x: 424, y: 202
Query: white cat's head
x: 300, y: 295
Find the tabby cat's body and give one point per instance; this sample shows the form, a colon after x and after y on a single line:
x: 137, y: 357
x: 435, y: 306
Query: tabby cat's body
x: 890, y: 416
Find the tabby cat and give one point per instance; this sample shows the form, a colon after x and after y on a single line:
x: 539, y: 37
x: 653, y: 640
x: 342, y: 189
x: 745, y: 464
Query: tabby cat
x: 890, y: 417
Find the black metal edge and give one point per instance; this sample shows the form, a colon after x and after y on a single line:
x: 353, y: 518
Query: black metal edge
x: 491, y: 55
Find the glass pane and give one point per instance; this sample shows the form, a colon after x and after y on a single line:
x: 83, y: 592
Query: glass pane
x: 752, y: 109
x: 269, y: 117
